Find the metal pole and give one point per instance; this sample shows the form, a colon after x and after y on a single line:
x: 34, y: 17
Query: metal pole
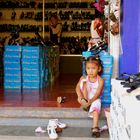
x: 109, y: 27
x: 43, y: 19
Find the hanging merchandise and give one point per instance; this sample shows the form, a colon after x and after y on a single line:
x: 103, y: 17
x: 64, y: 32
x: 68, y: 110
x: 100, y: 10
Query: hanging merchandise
x: 98, y: 47
x: 114, y: 17
x: 114, y: 35
x: 99, y: 5
x: 106, y: 10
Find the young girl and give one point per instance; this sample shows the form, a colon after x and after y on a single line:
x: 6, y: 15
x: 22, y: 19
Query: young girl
x: 90, y: 88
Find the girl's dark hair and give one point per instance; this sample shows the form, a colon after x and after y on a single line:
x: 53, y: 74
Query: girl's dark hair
x: 97, y: 61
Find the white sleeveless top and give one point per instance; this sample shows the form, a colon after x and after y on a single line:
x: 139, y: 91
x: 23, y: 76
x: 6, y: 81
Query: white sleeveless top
x: 91, y: 86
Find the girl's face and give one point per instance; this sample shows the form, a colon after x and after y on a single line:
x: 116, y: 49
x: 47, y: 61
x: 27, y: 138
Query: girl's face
x: 92, y: 69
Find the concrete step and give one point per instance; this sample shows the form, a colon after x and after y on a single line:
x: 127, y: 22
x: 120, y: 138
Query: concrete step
x: 28, y: 133
x: 41, y: 112
x: 20, y: 123
x: 87, y: 122
x: 73, y: 117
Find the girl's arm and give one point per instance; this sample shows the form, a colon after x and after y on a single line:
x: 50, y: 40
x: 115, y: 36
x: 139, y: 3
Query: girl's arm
x: 99, y: 91
x: 78, y: 90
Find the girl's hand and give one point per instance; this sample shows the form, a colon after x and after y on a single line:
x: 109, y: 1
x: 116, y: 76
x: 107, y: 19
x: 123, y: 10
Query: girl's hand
x: 79, y: 100
x: 89, y: 102
x: 86, y: 104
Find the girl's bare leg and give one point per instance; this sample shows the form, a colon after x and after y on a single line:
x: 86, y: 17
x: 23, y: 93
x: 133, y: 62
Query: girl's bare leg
x: 96, y: 116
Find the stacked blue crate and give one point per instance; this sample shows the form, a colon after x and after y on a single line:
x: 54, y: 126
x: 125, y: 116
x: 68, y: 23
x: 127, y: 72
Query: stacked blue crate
x: 31, y: 67
x: 25, y: 67
x: 107, y: 61
x: 12, y: 67
x: 45, y: 65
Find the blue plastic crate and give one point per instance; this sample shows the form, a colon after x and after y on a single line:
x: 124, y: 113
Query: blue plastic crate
x: 31, y: 68
x: 12, y: 80
x: 30, y: 54
x: 106, y: 89
x: 11, y: 60
x: 12, y: 72
x: 8, y: 87
x: 107, y: 79
x: 106, y: 99
x: 36, y: 60
x: 28, y: 67
x: 30, y: 85
x: 34, y: 78
x: 104, y: 94
x: 30, y: 74
x: 103, y: 52
x: 12, y: 48
x: 12, y: 84
x: 105, y: 105
x: 35, y: 63
x: 107, y: 69
x: 12, y: 54
x: 8, y: 68
x: 12, y: 77
x: 26, y: 87
x: 27, y: 56
x: 36, y: 72
x: 30, y: 48
x: 32, y: 81
x: 12, y: 66
x: 87, y: 54
x: 107, y: 60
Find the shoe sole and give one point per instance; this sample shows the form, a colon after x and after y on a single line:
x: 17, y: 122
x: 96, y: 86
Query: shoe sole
x: 96, y: 134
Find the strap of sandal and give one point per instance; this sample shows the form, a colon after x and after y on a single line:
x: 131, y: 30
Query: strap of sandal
x: 96, y: 129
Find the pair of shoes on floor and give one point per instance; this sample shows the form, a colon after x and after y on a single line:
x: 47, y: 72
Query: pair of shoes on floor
x: 40, y: 130
x: 53, y: 127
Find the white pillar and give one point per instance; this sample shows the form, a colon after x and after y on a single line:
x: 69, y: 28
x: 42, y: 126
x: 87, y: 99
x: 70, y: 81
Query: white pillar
x: 114, y: 51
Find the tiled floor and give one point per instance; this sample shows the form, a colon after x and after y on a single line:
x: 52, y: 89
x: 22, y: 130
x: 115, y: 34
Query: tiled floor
x: 64, y: 86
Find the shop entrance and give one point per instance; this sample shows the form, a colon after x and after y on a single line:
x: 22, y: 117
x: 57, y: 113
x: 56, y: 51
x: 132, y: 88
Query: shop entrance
x: 63, y: 86
x: 70, y: 64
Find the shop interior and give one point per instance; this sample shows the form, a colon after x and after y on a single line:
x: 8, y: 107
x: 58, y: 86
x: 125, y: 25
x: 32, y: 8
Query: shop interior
x: 41, y: 64
x: 27, y: 23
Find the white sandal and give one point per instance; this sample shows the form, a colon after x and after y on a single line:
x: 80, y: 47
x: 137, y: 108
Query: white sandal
x: 60, y: 124
x: 52, y: 133
x: 51, y: 130
x: 55, y: 123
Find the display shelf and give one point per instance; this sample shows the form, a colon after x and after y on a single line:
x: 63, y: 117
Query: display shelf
x: 75, y: 24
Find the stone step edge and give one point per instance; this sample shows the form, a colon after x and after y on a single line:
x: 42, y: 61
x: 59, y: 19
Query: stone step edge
x: 45, y: 138
x: 44, y: 122
x: 31, y: 112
